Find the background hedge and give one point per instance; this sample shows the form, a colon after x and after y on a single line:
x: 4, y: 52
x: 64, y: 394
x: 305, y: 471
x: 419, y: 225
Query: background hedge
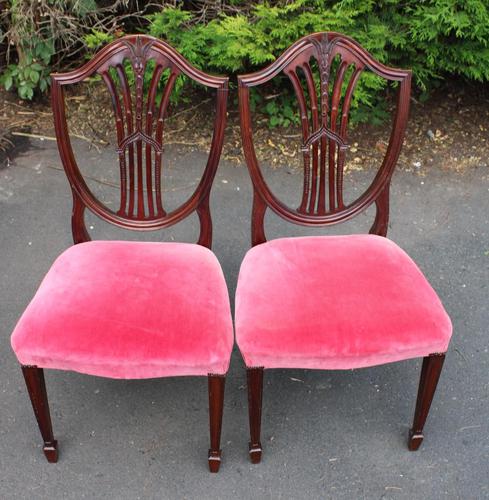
x: 438, y: 39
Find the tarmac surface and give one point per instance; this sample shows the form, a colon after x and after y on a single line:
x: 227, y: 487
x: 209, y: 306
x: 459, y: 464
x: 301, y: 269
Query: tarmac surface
x: 326, y: 434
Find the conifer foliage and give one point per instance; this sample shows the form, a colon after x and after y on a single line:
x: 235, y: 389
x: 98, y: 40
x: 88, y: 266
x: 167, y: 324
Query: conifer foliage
x: 437, y: 39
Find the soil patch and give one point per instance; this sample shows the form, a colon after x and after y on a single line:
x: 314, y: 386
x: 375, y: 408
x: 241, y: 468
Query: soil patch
x: 450, y: 131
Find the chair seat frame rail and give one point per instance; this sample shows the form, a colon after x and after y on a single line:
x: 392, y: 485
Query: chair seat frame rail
x: 324, y: 146
x: 140, y: 126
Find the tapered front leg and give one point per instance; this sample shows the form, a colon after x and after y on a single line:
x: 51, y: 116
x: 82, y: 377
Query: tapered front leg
x: 430, y: 374
x: 216, y: 405
x: 255, y: 396
x: 36, y: 386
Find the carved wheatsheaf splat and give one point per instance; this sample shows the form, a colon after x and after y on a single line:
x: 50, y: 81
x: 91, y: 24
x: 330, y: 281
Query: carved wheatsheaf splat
x: 324, y: 69
x: 139, y: 141
x: 324, y: 140
x: 140, y: 110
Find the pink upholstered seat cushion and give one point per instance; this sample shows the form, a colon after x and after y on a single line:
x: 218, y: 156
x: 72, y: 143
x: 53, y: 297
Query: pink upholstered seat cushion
x: 129, y: 310
x: 335, y: 302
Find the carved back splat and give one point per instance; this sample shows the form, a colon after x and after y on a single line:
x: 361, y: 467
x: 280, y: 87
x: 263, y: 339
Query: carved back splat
x: 324, y: 126
x: 139, y: 122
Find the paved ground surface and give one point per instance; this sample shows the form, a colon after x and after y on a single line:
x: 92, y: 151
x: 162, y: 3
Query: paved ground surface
x: 326, y: 434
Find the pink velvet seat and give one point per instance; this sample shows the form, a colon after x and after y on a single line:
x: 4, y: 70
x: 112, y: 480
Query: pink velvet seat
x: 129, y: 310
x: 335, y: 302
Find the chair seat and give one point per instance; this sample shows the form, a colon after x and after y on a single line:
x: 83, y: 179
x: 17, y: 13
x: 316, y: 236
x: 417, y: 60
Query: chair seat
x: 129, y: 310
x: 335, y: 302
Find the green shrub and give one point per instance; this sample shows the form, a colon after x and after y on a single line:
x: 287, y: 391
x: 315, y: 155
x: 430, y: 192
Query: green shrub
x: 37, y: 30
x: 96, y: 39
x: 30, y: 72
x: 43, y: 35
x: 437, y: 39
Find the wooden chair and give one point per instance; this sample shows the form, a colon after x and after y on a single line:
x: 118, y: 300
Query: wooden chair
x: 125, y: 309
x: 332, y: 302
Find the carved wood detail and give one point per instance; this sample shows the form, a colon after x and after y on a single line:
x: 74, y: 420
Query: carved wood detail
x: 139, y: 124
x: 324, y: 119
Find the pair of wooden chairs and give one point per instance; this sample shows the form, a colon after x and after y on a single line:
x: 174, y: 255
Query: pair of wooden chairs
x: 125, y: 309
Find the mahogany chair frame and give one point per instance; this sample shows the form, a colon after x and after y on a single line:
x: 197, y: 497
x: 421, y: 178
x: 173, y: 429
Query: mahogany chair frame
x: 137, y: 128
x: 325, y: 140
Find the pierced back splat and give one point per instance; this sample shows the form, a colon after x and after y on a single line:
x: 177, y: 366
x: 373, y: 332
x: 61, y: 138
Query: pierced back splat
x: 137, y: 135
x: 324, y: 124
x: 326, y: 143
x: 139, y: 123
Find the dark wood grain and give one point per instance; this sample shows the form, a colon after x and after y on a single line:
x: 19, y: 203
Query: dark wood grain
x: 36, y: 387
x: 430, y: 374
x: 255, y: 397
x: 216, y: 404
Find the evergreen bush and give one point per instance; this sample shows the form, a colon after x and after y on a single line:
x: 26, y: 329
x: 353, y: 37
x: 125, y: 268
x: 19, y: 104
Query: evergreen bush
x: 437, y: 39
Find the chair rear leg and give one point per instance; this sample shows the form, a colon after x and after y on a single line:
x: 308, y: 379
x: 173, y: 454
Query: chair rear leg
x: 216, y: 403
x: 430, y: 373
x: 255, y: 396
x: 36, y: 386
